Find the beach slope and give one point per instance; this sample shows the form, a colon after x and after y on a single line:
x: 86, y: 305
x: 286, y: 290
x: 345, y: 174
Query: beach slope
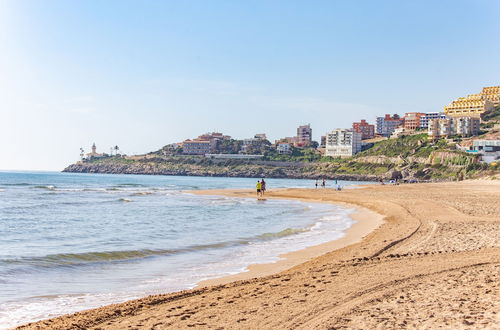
x: 434, y: 262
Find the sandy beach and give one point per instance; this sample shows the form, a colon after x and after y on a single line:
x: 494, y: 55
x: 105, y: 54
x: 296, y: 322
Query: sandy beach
x: 419, y: 256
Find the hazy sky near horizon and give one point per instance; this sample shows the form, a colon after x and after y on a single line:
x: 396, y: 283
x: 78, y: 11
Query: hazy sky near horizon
x: 142, y: 74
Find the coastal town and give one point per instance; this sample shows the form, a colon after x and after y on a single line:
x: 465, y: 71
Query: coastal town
x: 464, y: 122
x: 249, y: 165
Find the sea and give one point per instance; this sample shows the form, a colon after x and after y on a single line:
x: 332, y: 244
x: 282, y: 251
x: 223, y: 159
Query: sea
x: 70, y: 242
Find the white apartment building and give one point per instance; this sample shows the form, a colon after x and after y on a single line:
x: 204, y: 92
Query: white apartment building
x: 284, y: 148
x: 466, y: 126
x: 342, y: 143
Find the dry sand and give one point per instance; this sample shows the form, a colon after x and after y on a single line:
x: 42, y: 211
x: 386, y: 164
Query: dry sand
x: 433, y: 263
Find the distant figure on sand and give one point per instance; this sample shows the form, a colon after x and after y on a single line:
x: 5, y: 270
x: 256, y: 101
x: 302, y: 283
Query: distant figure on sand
x: 316, y: 184
x: 262, y: 187
x: 323, y: 184
x: 259, y: 188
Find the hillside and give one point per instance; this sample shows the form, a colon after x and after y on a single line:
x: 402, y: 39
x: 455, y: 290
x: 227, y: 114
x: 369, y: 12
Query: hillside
x: 492, y: 116
x: 408, y: 158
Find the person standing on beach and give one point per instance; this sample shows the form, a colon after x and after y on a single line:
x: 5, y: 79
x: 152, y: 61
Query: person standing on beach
x: 316, y: 184
x: 262, y: 187
x: 323, y: 184
x: 259, y: 188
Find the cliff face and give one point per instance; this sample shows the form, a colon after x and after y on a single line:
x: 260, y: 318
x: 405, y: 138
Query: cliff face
x: 407, y: 158
x: 228, y: 169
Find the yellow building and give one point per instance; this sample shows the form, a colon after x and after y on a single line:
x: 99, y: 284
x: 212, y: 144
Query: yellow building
x: 474, y: 104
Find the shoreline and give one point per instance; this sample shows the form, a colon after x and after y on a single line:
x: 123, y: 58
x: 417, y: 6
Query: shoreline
x: 432, y: 263
x: 365, y: 221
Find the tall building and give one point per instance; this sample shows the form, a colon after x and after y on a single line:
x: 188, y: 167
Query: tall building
x: 304, y: 136
x: 424, y: 120
x: 367, y: 130
x: 412, y: 120
x: 466, y: 126
x: 474, y: 104
x: 439, y: 128
x: 342, y: 143
x: 387, y: 124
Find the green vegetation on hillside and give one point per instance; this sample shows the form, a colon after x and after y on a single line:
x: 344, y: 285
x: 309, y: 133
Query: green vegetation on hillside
x: 297, y: 155
x: 405, y: 146
x: 492, y: 115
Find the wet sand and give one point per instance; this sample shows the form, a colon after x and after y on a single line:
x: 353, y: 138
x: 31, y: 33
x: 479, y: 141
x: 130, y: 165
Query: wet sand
x: 433, y: 263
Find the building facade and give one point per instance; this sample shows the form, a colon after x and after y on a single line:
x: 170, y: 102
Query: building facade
x: 387, y: 124
x: 466, y: 126
x: 475, y: 104
x: 197, y: 147
x: 424, y: 120
x: 205, y: 143
x: 367, y: 130
x: 439, y: 128
x: 489, y: 150
x: 304, y: 136
x: 322, y: 143
x: 284, y: 148
x: 342, y: 143
x: 463, y: 126
x: 412, y: 120
x: 486, y: 145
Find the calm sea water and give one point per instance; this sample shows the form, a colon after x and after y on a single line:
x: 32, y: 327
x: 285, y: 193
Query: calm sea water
x: 70, y: 242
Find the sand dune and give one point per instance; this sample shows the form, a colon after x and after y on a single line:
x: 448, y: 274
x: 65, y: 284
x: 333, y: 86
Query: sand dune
x: 433, y: 263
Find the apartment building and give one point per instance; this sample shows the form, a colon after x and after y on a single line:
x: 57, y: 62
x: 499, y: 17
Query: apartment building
x: 205, y: 143
x: 367, y: 130
x: 445, y: 127
x: 197, y: 147
x: 424, y: 120
x: 387, y: 124
x: 342, y: 143
x: 412, y: 120
x: 475, y: 104
x: 284, y: 148
x: 304, y: 136
x: 466, y: 126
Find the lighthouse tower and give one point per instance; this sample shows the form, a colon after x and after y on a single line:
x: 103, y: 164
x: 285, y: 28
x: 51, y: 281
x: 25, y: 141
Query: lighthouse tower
x: 94, y: 149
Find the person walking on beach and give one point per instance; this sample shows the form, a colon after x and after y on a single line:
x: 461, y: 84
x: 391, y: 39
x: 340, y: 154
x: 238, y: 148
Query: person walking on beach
x: 259, y: 188
x: 262, y: 187
x: 316, y: 184
x: 323, y: 184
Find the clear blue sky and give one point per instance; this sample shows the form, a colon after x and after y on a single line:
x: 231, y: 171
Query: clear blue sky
x: 141, y: 74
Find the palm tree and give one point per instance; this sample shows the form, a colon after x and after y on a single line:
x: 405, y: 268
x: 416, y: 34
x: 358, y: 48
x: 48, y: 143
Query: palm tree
x: 116, y: 150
